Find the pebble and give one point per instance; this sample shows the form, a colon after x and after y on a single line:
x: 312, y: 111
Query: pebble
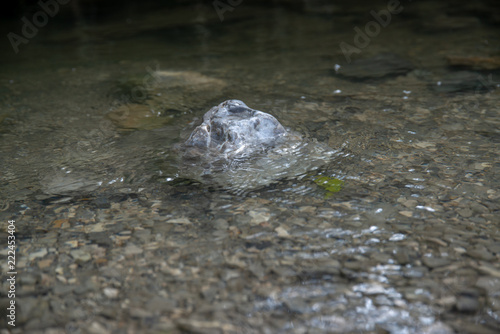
x: 80, y: 255
x: 480, y: 253
x: 475, y: 62
x: 69, y: 184
x: 132, y: 249
x: 97, y: 328
x: 381, y: 65
x: 111, y: 292
x: 282, y: 232
x: 490, y: 284
x: 447, y: 301
x: 401, y: 255
x: 182, y: 220
x: 221, y: 224
x: 467, y: 303
x: 63, y: 289
x: 434, y: 262
x: 259, y: 216
x: 35, y: 255
x: 72, y: 243
x: 406, y: 213
x: 298, y: 221
x: 415, y: 272
x: 466, y: 212
x: 461, y: 81
x: 161, y: 304
x: 45, y: 263
x: 438, y: 328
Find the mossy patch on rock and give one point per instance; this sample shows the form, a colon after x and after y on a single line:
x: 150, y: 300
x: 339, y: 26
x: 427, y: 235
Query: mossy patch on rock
x: 330, y: 184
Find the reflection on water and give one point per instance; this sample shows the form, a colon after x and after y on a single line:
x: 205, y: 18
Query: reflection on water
x: 381, y: 217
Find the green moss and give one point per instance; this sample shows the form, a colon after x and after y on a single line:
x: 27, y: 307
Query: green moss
x: 330, y: 184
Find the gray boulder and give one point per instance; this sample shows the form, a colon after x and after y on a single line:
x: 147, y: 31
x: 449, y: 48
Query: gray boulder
x: 234, y: 129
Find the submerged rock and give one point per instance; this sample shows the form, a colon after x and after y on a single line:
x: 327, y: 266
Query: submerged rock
x: 155, y: 100
x: 464, y: 81
x: 68, y: 184
x: 475, y: 62
x: 379, y: 66
x: 239, y: 148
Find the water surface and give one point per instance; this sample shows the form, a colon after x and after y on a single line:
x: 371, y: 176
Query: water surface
x: 111, y: 236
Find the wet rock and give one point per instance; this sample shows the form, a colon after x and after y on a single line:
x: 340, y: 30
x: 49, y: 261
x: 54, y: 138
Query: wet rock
x: 480, y: 253
x: 379, y: 66
x: 434, y: 262
x: 465, y: 212
x: 100, y: 238
x: 475, y: 62
x: 402, y: 255
x: 135, y: 116
x: 473, y: 327
x: 208, y: 327
x: 406, y: 213
x: 297, y: 305
x: 298, y: 221
x: 282, y: 232
x: 241, y: 149
x: 111, y: 292
x: 40, y: 253
x: 132, y: 249
x: 415, y: 272
x: 479, y: 208
x: 32, y: 312
x: 488, y: 269
x: 181, y: 220
x: 232, y: 128
x: 462, y: 81
x: 80, y: 255
x: 221, y: 224
x: 68, y: 184
x: 259, y: 216
x: 490, y: 284
x: 97, y: 328
x: 86, y: 287
x: 467, y: 302
x: 161, y: 304
x: 166, y: 96
x: 447, y: 302
x: 438, y: 328
x: 140, y: 313
x: 102, y: 202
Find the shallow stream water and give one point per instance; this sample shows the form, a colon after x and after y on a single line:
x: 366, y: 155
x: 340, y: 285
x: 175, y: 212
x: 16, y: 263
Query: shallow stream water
x: 111, y: 237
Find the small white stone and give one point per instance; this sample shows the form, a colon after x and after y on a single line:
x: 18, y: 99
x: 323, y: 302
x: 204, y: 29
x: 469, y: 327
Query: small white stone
x: 179, y: 221
x: 41, y: 253
x: 111, y: 292
x: 282, y: 232
x: 80, y: 255
x: 406, y: 213
x: 132, y: 249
